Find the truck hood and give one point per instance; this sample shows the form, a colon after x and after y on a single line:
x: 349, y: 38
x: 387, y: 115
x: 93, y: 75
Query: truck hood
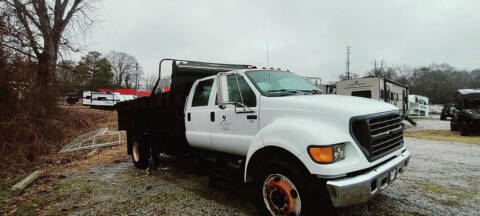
x: 348, y: 106
x: 473, y: 112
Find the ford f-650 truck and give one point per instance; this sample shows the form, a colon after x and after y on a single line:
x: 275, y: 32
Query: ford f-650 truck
x: 299, y: 150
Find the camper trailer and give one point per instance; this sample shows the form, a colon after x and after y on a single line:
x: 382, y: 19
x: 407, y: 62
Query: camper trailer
x: 418, y: 106
x: 101, y: 99
x: 87, y: 98
x: 104, y: 99
x: 378, y: 89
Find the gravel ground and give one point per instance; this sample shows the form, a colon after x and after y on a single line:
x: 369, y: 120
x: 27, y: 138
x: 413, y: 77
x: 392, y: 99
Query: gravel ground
x: 429, y: 124
x: 442, y: 179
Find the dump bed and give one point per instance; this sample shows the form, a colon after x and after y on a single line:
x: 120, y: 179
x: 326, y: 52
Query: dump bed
x: 160, y: 115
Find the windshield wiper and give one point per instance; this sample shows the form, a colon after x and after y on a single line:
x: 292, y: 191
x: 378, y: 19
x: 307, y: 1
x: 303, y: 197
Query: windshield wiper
x: 292, y: 91
x: 310, y: 91
x: 283, y: 91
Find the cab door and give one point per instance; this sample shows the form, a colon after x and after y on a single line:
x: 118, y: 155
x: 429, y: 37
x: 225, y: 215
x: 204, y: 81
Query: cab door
x: 197, y: 114
x: 235, y: 126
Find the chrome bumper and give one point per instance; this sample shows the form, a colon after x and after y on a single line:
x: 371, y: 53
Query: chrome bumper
x: 358, y: 189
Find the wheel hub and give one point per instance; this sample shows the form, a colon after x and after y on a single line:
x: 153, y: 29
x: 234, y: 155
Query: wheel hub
x: 281, y: 195
x: 136, y: 152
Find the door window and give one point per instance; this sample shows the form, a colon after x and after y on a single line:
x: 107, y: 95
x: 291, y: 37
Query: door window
x: 202, y: 93
x: 365, y: 94
x: 239, y: 91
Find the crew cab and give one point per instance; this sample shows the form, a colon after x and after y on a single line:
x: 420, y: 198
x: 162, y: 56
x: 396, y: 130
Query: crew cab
x: 299, y: 150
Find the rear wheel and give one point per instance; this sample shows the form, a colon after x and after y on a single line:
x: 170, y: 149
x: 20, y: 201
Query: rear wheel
x: 453, y: 126
x: 464, y: 128
x: 442, y: 117
x: 284, y: 189
x: 140, y: 153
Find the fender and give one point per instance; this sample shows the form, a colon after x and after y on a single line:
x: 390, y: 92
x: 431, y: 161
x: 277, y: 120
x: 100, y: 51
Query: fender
x: 294, y: 135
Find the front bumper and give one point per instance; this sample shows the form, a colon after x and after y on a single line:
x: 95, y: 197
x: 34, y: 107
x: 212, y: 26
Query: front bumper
x: 360, y: 188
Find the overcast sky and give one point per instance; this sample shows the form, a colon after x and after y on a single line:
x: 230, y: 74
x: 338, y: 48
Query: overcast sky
x: 307, y: 37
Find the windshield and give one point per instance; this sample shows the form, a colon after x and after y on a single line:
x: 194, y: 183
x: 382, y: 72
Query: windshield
x: 280, y: 83
x: 473, y: 103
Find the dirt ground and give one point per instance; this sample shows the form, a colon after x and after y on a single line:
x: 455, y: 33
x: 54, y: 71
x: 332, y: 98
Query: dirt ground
x: 443, y: 179
x: 436, y: 129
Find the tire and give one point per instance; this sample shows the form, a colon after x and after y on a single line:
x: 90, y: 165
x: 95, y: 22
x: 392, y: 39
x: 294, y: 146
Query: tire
x: 463, y: 127
x: 453, y: 126
x: 140, y: 153
x: 271, y: 190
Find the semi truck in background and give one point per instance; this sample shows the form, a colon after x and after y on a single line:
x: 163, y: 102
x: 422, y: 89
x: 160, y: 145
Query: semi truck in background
x: 300, y: 151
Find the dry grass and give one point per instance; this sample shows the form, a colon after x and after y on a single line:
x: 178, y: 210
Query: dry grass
x: 71, y: 122
x: 443, y: 135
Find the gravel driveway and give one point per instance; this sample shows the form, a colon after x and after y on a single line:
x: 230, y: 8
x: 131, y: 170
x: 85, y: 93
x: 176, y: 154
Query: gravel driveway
x: 442, y: 179
x: 429, y: 124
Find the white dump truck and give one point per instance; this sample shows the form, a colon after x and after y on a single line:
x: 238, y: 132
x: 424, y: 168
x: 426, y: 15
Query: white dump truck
x: 300, y: 151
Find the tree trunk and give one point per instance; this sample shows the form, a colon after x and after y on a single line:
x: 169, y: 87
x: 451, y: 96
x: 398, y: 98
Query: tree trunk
x: 45, y: 72
x: 44, y: 91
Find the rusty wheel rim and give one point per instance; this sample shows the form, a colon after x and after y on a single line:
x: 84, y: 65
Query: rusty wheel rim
x: 281, y: 196
x: 136, y: 152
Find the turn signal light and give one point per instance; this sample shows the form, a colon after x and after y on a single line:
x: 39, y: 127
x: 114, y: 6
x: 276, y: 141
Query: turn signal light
x: 327, y: 154
x: 321, y: 154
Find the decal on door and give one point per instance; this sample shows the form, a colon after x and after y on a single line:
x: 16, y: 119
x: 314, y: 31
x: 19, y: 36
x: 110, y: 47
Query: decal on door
x: 225, y: 124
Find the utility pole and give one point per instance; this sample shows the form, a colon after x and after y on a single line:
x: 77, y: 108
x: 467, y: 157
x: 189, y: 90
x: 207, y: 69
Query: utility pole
x: 348, y: 63
x: 136, y: 79
x: 268, y: 58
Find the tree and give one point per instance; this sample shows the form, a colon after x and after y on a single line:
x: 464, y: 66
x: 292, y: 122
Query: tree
x: 123, y: 68
x: 437, y: 81
x: 344, y: 76
x: 36, y: 29
x: 97, y: 69
x: 381, y: 69
x: 66, y: 76
x: 150, y: 82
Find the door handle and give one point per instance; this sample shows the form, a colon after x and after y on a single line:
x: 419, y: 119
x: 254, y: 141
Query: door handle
x: 212, y: 116
x: 251, y: 117
x: 188, y: 117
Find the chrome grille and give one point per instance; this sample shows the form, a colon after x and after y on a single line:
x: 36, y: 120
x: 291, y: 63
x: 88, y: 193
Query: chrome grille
x: 378, y: 134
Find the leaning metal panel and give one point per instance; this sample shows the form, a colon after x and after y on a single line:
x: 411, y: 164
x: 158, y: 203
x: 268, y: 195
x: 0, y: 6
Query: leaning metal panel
x: 94, y: 139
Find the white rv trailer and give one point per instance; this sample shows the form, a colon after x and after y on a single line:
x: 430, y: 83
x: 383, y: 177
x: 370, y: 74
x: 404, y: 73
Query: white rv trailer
x: 419, y: 106
x: 87, y: 98
x: 376, y: 88
x: 104, y: 99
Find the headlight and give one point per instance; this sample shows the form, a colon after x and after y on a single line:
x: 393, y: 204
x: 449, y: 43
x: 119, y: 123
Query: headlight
x: 327, y: 154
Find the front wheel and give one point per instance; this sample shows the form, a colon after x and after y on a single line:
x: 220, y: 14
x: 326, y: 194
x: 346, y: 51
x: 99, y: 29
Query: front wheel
x: 140, y: 153
x: 283, y: 189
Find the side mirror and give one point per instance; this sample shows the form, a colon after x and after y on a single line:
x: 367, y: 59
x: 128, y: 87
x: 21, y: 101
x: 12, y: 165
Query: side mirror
x: 222, y: 90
